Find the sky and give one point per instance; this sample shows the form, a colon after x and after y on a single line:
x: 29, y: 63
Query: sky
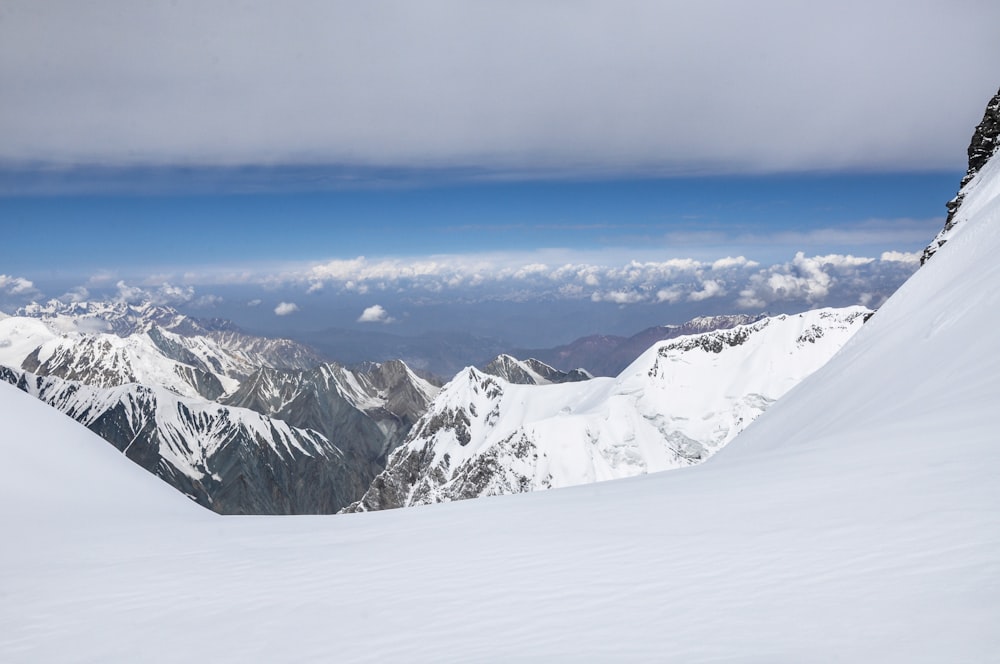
x: 531, y: 170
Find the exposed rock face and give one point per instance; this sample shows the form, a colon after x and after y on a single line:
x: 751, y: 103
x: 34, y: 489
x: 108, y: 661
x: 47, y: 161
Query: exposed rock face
x: 531, y: 372
x: 984, y: 143
x: 676, y: 405
x: 365, y: 413
x: 230, y: 460
x: 310, y: 440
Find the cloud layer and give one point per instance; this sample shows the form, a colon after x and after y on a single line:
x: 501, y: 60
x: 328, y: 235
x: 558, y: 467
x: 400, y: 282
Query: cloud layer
x: 744, y: 283
x: 513, y: 87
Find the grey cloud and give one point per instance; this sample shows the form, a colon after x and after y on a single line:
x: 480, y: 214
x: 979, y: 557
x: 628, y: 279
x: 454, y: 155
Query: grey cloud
x: 516, y: 87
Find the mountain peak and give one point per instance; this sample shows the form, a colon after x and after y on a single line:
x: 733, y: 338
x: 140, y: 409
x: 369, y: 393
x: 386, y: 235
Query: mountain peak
x: 984, y: 144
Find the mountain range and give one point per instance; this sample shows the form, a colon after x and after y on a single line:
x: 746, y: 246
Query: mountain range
x: 240, y: 424
x: 249, y: 425
x: 678, y: 404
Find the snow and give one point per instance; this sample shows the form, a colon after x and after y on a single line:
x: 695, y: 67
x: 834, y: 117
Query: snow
x: 677, y: 404
x: 19, y: 336
x: 857, y: 520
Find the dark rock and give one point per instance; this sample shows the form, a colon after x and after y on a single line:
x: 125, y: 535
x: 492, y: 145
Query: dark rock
x: 983, y: 145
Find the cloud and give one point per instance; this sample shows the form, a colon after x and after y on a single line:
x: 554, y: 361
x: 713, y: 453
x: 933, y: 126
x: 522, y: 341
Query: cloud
x: 814, y: 280
x: 375, y: 314
x: 900, y: 257
x: 77, y: 294
x: 207, y: 301
x: 591, y: 87
x: 16, y: 285
x: 256, y: 302
x: 731, y: 262
x: 285, y: 308
x: 709, y: 288
x: 165, y: 295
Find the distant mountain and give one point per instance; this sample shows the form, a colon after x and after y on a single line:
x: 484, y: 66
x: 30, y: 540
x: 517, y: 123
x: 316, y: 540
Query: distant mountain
x: 440, y: 353
x: 120, y: 318
x: 610, y: 355
x: 125, y: 320
x: 676, y: 405
x: 531, y: 371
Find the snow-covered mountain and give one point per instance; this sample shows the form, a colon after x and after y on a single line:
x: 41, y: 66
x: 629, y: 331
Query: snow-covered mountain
x: 118, y: 318
x: 676, y: 405
x: 231, y: 460
x: 176, y: 402
x: 606, y: 355
x: 531, y: 371
x: 244, y: 351
x: 367, y: 412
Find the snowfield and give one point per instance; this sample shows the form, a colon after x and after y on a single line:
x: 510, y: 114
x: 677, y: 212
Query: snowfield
x: 857, y: 520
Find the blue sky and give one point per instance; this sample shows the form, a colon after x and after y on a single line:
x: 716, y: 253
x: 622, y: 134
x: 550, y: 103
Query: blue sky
x: 670, y: 218
x: 590, y: 167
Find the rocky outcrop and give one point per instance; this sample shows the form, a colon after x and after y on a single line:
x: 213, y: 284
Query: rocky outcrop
x: 984, y: 143
x: 366, y: 412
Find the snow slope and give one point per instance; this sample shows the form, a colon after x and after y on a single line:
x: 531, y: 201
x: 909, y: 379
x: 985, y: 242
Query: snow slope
x: 89, y: 481
x: 858, y: 520
x: 676, y: 405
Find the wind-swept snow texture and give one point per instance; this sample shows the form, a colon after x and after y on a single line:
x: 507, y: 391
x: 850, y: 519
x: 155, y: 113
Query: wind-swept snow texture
x: 858, y: 520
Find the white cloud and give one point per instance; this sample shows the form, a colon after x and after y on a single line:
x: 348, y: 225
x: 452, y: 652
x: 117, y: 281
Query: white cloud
x: 285, y: 308
x: 813, y: 280
x: 77, y: 294
x: 16, y: 285
x: 130, y: 294
x: 207, y: 301
x: 671, y: 295
x: 256, y: 302
x: 733, y: 261
x: 618, y: 297
x: 709, y: 288
x: 375, y: 314
x: 900, y: 257
x: 166, y: 294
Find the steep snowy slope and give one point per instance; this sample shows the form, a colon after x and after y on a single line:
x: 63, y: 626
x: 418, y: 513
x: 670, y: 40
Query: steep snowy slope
x: 55, y: 470
x: 231, y: 460
x: 674, y: 406
x: 858, y: 520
